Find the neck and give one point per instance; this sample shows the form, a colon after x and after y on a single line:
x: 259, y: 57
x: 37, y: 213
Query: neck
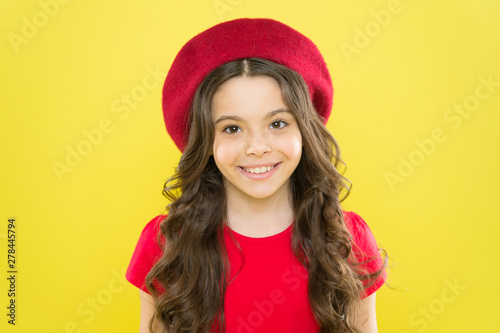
x: 255, y: 217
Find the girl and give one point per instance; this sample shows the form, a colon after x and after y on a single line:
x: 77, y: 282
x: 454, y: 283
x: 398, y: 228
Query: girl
x: 255, y: 239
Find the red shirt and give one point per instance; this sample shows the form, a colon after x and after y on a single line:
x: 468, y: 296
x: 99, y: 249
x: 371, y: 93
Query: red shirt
x: 269, y: 293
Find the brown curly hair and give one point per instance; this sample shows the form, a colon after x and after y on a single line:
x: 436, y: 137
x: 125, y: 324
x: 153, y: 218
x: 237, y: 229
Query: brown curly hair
x: 193, y: 270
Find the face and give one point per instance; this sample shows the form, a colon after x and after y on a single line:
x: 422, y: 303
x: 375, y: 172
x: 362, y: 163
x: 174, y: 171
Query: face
x: 257, y: 142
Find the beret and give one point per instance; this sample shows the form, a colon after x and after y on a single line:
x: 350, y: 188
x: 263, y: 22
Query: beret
x: 237, y: 39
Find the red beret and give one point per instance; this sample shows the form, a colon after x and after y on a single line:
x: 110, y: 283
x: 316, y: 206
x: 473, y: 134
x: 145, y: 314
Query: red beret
x: 237, y: 39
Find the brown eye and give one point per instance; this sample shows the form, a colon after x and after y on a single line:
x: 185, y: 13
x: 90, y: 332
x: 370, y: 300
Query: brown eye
x: 232, y: 129
x: 278, y: 124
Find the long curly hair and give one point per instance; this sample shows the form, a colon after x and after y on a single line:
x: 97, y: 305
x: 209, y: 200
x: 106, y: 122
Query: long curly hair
x: 189, y: 281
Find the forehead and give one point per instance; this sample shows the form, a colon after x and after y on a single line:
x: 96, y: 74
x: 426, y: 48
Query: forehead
x: 247, y: 94
x: 236, y: 84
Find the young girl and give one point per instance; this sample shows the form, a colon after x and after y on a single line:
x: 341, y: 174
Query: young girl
x: 255, y: 239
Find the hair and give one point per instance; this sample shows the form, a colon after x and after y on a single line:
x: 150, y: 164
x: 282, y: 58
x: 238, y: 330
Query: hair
x: 189, y: 281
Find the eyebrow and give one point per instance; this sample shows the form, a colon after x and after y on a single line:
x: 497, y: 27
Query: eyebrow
x: 236, y: 118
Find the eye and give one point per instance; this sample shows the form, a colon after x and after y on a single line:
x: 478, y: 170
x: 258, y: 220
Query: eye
x: 232, y: 129
x: 277, y: 124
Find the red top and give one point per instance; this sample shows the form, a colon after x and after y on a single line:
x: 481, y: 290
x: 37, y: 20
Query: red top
x: 269, y: 294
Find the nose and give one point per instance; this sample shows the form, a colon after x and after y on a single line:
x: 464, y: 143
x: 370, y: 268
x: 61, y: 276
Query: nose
x: 258, y: 144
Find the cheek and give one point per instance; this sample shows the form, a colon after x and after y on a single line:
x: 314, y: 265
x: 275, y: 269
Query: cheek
x: 224, y: 152
x: 291, y: 145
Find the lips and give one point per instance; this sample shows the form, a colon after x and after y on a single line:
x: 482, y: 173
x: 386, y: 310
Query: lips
x: 259, y: 170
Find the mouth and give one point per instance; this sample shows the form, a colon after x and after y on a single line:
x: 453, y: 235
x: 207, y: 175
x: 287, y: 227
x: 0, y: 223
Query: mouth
x: 259, y: 170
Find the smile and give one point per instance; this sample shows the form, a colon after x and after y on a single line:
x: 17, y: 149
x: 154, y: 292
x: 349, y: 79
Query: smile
x: 259, y: 170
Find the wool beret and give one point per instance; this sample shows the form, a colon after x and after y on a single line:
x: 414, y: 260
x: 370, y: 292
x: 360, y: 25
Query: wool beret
x: 237, y: 39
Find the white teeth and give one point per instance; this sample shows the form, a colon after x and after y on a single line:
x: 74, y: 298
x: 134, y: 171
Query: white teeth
x: 259, y: 170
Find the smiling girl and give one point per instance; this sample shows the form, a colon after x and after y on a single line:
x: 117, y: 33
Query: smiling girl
x: 255, y: 239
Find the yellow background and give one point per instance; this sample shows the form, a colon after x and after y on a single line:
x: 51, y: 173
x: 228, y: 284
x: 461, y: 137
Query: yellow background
x: 397, y: 84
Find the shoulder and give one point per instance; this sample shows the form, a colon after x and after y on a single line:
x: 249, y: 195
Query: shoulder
x: 147, y: 251
x: 364, y: 245
x: 148, y: 239
x: 360, y: 232
x: 366, y: 253
x: 152, y: 228
x: 150, y: 233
